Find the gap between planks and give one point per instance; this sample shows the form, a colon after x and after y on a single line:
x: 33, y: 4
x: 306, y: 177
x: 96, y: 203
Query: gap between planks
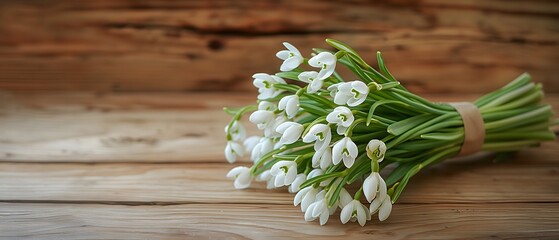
x: 220, y: 221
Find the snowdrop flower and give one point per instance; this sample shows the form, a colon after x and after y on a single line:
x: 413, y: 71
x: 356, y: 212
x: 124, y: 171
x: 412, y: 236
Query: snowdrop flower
x: 351, y: 93
x: 268, y: 106
x: 290, y: 132
x: 311, y: 77
x: 262, y: 118
x: 251, y: 142
x: 294, y: 187
x: 305, y: 197
x: 318, y: 209
x: 344, y: 199
x: 270, y: 130
x: 317, y: 172
x: 326, y: 62
x: 345, y: 150
x: 285, y: 172
x: 290, y: 104
x: 383, y: 206
x: 320, y: 134
x: 291, y: 57
x: 372, y: 185
x: 355, y: 210
x: 265, y: 145
x: 376, y: 150
x: 265, y: 84
x: 242, y: 177
x: 342, y: 117
x: 322, y: 159
x: 268, y: 178
x: 237, y: 131
x: 233, y: 150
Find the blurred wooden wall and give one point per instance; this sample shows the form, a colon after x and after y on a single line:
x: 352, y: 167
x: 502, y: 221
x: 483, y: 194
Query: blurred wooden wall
x: 434, y: 46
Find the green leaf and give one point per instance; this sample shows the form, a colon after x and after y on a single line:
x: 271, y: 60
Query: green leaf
x: 289, y: 75
x: 383, y: 68
x: 403, y: 126
x: 379, y: 103
x: 319, y: 179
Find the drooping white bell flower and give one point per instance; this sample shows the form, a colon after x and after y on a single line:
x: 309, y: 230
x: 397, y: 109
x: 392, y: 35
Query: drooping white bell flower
x: 322, y: 159
x: 374, y: 187
x: 290, y: 132
x: 318, y: 209
x: 351, y: 93
x: 355, y: 211
x: 270, y: 130
x: 376, y: 150
x: 233, y: 150
x: 290, y: 104
x: 285, y: 172
x: 320, y: 134
x: 342, y: 117
x: 266, y: 177
x: 383, y: 206
x: 344, y: 199
x: 291, y: 57
x: 265, y: 84
x: 242, y: 177
x: 237, y: 131
x: 268, y: 106
x: 264, y: 146
x: 251, y: 142
x: 294, y: 187
x: 262, y: 118
x: 345, y: 150
x: 326, y: 62
x: 317, y: 172
x: 305, y: 197
x: 311, y: 77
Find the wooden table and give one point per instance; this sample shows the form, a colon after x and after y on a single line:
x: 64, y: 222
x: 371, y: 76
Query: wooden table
x: 150, y: 166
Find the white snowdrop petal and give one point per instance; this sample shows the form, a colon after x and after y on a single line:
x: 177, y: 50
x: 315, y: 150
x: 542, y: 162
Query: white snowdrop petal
x: 291, y: 63
x: 279, y: 181
x: 283, y: 54
x: 352, y: 148
x: 369, y: 188
x: 290, y: 176
x: 324, y: 218
x: 361, y: 214
x: 308, y: 213
x: 337, y: 152
x: 381, y: 188
x: 346, y: 212
x: 291, y: 48
x: 299, y: 196
x: 385, y: 209
x: 375, y: 205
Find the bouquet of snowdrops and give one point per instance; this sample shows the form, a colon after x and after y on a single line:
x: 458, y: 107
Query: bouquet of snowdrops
x: 324, y: 133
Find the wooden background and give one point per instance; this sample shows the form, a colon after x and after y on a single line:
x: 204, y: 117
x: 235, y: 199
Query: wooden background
x: 111, y: 123
x: 432, y: 46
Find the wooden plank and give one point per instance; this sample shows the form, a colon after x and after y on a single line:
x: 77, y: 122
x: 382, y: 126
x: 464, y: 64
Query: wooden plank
x: 241, y: 221
x: 135, y: 127
x: 188, y: 46
x: 475, y: 181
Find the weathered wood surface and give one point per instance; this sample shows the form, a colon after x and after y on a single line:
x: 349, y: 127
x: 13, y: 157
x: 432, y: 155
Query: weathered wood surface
x: 163, y: 177
x: 519, y: 180
x: 132, y: 127
x: 255, y: 221
x: 431, y: 46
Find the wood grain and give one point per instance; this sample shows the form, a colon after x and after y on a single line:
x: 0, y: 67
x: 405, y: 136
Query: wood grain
x: 477, y: 181
x: 241, y: 221
x: 135, y: 127
x: 431, y: 46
